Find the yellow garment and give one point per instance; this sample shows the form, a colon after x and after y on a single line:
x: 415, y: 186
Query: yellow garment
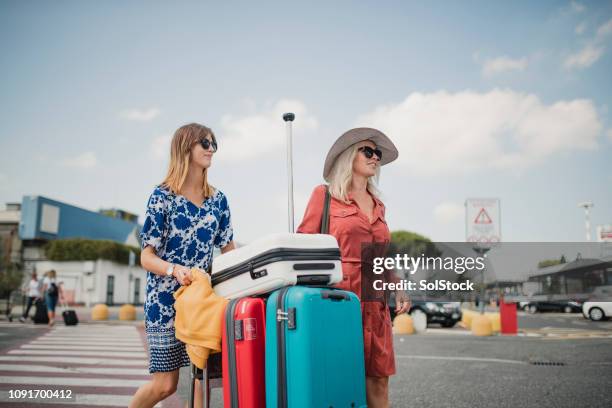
x: 199, y: 318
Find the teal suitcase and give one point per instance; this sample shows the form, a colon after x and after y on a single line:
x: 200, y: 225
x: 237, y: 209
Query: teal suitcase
x: 314, y: 349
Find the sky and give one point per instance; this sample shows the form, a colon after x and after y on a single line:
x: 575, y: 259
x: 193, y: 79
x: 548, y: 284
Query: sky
x: 505, y: 100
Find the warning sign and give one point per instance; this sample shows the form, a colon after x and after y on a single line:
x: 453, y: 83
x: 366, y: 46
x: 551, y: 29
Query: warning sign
x: 483, y: 217
x: 482, y: 220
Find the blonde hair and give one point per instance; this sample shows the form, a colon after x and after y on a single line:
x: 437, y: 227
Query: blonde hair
x: 180, y: 152
x: 341, y: 175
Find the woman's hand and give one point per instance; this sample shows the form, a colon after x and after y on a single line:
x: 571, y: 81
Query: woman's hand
x: 182, y: 274
x: 229, y: 247
x: 402, y: 302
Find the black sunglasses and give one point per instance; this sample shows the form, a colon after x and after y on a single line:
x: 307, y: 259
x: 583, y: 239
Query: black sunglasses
x: 368, y: 152
x: 206, y: 143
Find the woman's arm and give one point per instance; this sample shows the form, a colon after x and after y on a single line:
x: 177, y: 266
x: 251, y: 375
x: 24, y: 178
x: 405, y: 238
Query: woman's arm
x: 311, y: 223
x: 60, y: 292
x: 154, y: 264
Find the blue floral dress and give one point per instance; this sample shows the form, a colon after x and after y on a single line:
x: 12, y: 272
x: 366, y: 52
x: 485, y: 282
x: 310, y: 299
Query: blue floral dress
x: 184, y: 234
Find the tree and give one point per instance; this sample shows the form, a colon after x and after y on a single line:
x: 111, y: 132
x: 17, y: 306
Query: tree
x: 411, y: 244
x: 11, y: 275
x: 551, y: 262
x: 79, y: 249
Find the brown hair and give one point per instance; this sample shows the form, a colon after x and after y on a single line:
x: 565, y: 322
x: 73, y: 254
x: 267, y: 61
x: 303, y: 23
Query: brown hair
x: 51, y: 274
x: 183, y: 140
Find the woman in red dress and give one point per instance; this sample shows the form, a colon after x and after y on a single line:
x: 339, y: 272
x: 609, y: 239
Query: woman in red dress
x: 356, y: 216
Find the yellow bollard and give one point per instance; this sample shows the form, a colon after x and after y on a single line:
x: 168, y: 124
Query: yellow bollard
x: 495, y: 321
x: 402, y: 324
x: 99, y: 312
x: 466, y: 318
x: 127, y: 312
x: 481, y: 326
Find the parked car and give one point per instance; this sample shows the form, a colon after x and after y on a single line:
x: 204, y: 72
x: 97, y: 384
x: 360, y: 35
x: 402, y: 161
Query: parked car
x: 566, y: 306
x: 447, y: 314
x: 599, y: 304
x: 597, y: 311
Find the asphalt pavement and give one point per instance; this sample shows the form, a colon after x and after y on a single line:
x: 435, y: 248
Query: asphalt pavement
x: 557, y: 360
x: 501, y: 371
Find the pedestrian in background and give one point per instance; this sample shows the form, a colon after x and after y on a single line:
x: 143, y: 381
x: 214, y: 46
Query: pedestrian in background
x: 356, y: 216
x: 186, y: 218
x: 32, y: 291
x: 52, y: 292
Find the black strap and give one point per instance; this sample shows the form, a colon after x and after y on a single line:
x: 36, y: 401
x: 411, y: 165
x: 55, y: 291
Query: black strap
x: 325, y: 216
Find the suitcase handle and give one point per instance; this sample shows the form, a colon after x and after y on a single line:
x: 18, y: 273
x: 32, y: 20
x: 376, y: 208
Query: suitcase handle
x: 334, y: 295
x: 313, y: 279
x: 289, y: 118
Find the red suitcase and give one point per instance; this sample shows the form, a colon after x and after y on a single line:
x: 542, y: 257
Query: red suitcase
x: 244, y: 353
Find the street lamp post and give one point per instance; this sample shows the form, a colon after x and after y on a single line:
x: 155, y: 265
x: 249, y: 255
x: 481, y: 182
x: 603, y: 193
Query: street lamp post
x: 587, y: 205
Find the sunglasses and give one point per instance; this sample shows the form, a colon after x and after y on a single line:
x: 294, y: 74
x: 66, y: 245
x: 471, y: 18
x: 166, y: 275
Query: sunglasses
x: 368, y: 152
x: 206, y: 143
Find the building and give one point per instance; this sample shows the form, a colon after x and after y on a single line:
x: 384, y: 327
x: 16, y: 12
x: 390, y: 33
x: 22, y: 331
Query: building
x: 26, y: 228
x: 9, y: 233
x: 575, y: 279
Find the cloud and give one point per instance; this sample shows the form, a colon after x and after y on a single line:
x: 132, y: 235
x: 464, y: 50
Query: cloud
x: 257, y: 133
x: 160, y: 147
x: 584, y: 58
x: 577, y: 7
x: 503, y: 64
x: 605, y: 29
x: 141, y: 115
x: 592, y: 51
x: 580, y: 28
x: 449, y: 133
x: 448, y: 212
x: 609, y: 133
x: 85, y: 160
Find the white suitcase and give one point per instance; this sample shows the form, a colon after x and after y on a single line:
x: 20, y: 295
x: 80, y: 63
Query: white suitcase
x: 275, y: 261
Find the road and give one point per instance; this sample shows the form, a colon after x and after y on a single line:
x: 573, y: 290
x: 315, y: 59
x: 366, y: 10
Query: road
x: 559, y: 361
x: 560, y: 320
x: 457, y: 371
x: 97, y: 365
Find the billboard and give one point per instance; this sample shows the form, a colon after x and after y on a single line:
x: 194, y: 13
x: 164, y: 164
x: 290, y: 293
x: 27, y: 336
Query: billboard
x: 604, y: 233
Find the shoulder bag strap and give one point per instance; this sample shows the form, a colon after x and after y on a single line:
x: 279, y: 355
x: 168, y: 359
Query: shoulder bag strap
x: 325, y: 216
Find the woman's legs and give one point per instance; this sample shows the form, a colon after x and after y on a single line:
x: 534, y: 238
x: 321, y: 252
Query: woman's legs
x: 159, y: 388
x: 377, y: 391
x: 51, y: 301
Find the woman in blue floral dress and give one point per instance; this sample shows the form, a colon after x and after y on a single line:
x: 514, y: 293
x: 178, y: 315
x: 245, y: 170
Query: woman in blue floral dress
x: 186, y: 218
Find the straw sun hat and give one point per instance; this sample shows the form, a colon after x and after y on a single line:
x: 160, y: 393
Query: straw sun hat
x: 382, y: 142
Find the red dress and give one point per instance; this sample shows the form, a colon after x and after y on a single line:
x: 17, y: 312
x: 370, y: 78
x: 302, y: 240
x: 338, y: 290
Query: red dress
x: 351, y: 227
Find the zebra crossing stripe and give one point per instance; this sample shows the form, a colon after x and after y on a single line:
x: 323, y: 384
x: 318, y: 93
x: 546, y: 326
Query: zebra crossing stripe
x: 89, y: 342
x: 73, y: 381
x: 73, y: 370
x: 92, y: 337
x: 108, y: 347
x: 80, y: 400
x: 76, y: 360
x: 83, y: 353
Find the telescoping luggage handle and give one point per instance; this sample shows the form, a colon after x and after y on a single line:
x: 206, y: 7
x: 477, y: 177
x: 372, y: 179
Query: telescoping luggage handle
x: 288, y: 118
